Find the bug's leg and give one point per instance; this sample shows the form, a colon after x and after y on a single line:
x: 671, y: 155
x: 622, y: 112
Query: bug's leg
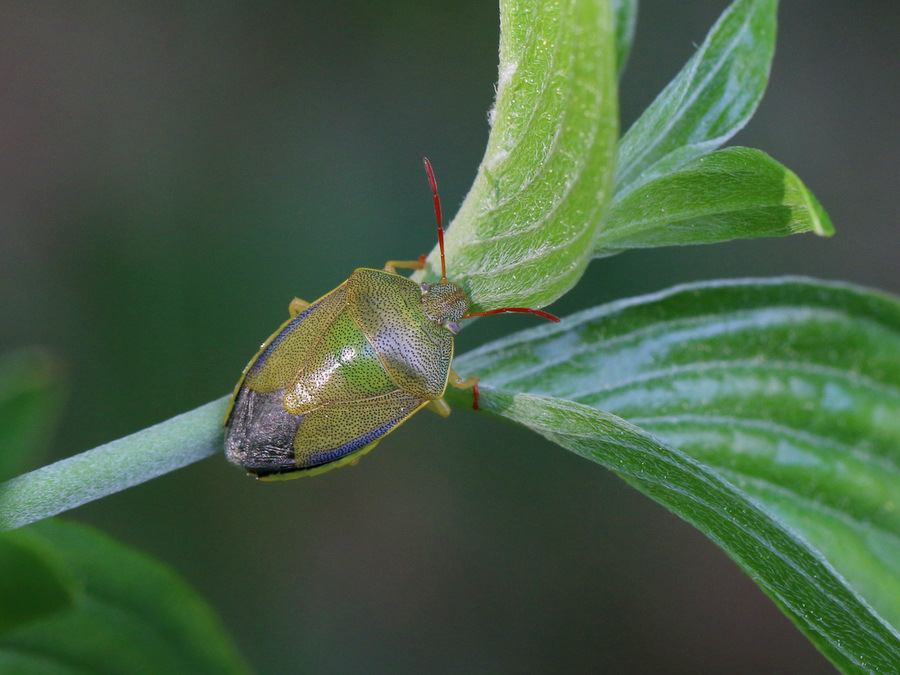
x: 439, y: 406
x: 468, y: 383
x: 392, y: 265
x: 297, y: 306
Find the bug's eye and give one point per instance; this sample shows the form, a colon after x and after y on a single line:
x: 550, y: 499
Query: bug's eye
x: 452, y: 326
x: 425, y: 287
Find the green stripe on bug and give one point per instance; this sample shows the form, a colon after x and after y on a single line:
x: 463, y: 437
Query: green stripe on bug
x: 346, y: 370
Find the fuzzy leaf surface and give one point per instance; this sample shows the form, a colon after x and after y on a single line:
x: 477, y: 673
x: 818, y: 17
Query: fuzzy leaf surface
x: 769, y: 415
x: 710, y: 100
x: 733, y: 193
x: 526, y: 229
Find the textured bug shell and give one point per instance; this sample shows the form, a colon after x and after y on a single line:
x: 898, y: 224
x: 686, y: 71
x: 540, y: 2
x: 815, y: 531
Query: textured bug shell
x: 332, y: 381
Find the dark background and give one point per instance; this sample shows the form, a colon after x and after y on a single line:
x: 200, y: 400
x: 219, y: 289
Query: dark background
x: 172, y: 174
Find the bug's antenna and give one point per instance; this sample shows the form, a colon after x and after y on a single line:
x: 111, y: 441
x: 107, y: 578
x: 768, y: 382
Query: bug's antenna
x: 437, y: 213
x: 440, y: 224
x: 524, y: 310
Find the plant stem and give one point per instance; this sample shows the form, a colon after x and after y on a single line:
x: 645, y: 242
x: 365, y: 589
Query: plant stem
x: 112, y: 467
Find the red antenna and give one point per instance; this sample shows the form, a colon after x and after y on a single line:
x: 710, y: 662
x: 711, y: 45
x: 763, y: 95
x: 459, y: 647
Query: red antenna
x: 523, y: 310
x: 440, y: 222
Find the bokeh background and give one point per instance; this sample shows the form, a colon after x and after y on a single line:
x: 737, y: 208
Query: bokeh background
x: 172, y: 174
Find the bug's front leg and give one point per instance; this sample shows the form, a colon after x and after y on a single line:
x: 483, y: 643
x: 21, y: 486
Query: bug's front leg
x: 296, y: 306
x: 391, y: 266
x: 468, y: 383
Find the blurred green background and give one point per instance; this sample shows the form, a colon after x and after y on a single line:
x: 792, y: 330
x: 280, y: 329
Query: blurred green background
x: 173, y: 174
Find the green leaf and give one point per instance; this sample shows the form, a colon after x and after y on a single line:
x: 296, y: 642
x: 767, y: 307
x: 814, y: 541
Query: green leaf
x: 711, y: 99
x: 131, y: 614
x: 735, y: 193
x: 35, y: 582
x: 112, y: 467
x: 804, y: 585
x: 525, y: 231
x: 625, y: 13
x: 30, y: 398
x: 787, y: 389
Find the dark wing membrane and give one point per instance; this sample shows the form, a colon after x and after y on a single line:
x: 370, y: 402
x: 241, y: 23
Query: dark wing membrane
x: 261, y: 432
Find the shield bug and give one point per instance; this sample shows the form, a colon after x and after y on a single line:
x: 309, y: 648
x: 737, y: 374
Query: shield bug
x: 349, y: 368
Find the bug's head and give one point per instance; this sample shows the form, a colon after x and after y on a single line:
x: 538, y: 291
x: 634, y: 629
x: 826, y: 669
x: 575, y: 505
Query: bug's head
x: 445, y: 303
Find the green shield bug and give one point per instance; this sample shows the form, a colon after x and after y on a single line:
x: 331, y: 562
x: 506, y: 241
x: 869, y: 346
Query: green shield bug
x: 349, y: 368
